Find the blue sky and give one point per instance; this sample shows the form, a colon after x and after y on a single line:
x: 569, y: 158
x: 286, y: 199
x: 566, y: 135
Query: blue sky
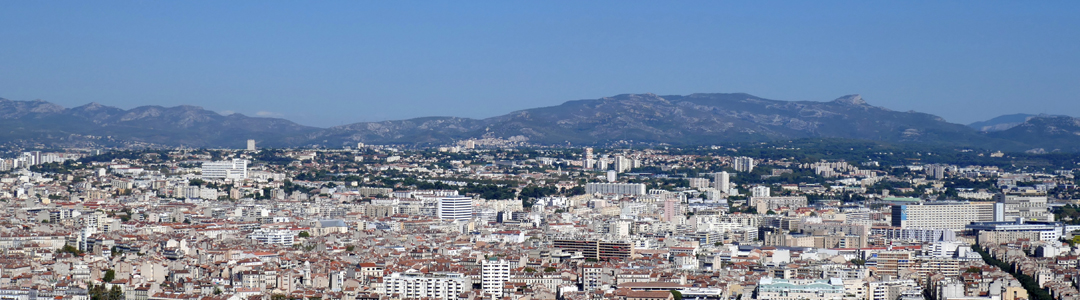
x: 327, y: 63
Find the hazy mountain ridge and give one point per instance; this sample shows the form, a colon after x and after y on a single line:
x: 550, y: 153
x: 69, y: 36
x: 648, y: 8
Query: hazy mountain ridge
x: 694, y: 119
x: 1001, y: 122
x: 1045, y: 131
x: 47, y: 124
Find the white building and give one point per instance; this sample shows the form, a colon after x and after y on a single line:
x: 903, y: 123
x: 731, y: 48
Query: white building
x: 235, y: 169
x: 744, y: 164
x: 800, y: 289
x: 1030, y: 208
x: 416, y: 285
x: 623, y: 164
x: 1048, y: 231
x: 273, y: 237
x: 942, y: 215
x: 722, y: 181
x: 250, y: 145
x: 615, y: 188
x: 494, y: 274
x: 760, y: 191
x: 455, y: 208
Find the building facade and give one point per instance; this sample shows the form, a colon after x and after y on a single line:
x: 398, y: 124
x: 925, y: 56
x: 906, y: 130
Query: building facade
x: 948, y: 215
x: 235, y: 169
x: 455, y: 208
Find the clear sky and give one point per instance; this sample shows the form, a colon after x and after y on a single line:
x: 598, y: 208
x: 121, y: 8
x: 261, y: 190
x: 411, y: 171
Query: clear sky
x: 327, y: 63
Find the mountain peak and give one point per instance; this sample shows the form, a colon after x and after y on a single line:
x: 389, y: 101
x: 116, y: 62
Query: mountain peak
x: 91, y: 106
x: 855, y: 99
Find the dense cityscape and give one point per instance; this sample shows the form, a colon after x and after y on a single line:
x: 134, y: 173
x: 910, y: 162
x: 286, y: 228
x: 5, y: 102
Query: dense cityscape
x: 492, y: 219
x: 539, y: 150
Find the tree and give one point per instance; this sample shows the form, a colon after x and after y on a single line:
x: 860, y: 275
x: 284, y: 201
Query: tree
x: 550, y: 269
x: 70, y: 249
x: 109, y: 276
x: 96, y: 292
x: 115, y: 293
x: 529, y: 270
x: 676, y: 294
x: 304, y: 234
x: 858, y: 262
x: 350, y: 248
x: 975, y: 270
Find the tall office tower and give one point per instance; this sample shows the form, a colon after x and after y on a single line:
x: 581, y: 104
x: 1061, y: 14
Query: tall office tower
x: 251, y: 145
x: 611, y: 176
x: 603, y: 165
x: 722, y: 181
x: 744, y: 164
x: 235, y: 169
x: 494, y: 274
x: 455, y: 208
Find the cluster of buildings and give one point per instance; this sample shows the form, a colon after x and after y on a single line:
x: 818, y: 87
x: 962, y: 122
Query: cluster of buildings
x: 376, y: 222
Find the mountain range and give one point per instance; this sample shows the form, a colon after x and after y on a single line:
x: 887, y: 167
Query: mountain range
x: 696, y: 119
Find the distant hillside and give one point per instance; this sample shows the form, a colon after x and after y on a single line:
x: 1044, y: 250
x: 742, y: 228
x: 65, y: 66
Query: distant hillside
x: 46, y: 124
x: 697, y: 119
x: 692, y: 119
x: 1061, y: 133
x: 1000, y: 123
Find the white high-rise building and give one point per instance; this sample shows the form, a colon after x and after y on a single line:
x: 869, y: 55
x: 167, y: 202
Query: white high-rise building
x: 623, y: 164
x: 744, y: 164
x: 455, y: 208
x: 235, y: 169
x: 760, y: 191
x: 494, y: 274
x: 588, y: 162
x: 612, y: 176
x: 250, y: 145
x: 722, y: 181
